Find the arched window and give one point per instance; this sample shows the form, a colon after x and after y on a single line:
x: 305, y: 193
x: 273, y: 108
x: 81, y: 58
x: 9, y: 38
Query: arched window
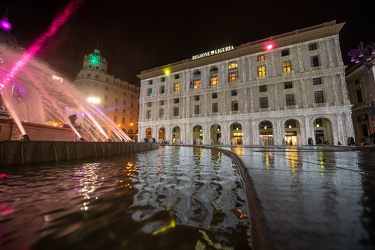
x: 214, y: 76
x: 233, y: 72
x: 196, y: 82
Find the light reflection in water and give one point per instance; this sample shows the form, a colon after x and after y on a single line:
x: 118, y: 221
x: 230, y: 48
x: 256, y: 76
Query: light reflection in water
x: 130, y: 202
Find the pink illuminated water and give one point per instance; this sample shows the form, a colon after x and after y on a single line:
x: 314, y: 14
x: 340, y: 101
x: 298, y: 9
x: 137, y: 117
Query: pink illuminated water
x: 35, y: 95
x: 32, y: 93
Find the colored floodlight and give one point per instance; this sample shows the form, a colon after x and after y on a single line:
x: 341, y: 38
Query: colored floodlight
x: 269, y: 46
x: 5, y: 24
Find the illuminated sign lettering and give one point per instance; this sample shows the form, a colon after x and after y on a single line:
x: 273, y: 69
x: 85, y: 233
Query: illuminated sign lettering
x: 213, y: 52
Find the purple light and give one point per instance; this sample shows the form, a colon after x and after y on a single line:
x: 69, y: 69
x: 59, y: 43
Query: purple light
x: 56, y: 24
x: 5, y: 25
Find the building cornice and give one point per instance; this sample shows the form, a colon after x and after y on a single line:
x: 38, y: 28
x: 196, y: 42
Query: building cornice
x: 298, y: 36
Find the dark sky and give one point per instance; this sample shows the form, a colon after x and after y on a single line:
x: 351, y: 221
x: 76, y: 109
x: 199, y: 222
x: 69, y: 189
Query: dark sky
x: 139, y: 35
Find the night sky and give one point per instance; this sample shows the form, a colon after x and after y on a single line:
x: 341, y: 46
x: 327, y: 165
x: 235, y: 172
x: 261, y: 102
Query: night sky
x: 139, y: 35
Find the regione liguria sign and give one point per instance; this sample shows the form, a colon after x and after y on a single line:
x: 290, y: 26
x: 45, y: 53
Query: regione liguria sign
x: 213, y: 52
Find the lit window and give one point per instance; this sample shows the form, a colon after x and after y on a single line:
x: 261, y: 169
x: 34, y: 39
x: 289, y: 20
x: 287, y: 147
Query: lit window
x: 261, y: 71
x: 176, y: 87
x: 287, y: 67
x: 197, y: 84
x: 260, y: 58
x: 214, y: 81
x: 233, y: 72
x: 214, y: 76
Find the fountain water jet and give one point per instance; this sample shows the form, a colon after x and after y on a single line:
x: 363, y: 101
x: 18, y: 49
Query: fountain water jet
x: 35, y: 96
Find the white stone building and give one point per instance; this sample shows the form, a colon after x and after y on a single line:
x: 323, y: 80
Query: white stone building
x: 116, y: 98
x: 283, y: 89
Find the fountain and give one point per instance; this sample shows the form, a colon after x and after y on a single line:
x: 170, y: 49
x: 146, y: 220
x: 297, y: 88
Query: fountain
x: 42, y: 116
x: 36, y: 95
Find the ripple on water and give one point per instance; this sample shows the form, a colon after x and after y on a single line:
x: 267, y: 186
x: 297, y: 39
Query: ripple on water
x: 171, y: 198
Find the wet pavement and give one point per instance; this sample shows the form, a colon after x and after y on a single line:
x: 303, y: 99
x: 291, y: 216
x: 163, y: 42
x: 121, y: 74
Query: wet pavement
x: 314, y: 197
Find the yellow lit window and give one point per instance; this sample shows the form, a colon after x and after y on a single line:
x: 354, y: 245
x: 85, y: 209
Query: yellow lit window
x: 214, y: 81
x: 176, y: 87
x: 260, y: 58
x: 261, y: 71
x: 287, y: 67
x: 233, y: 66
x: 233, y: 77
x: 197, y: 84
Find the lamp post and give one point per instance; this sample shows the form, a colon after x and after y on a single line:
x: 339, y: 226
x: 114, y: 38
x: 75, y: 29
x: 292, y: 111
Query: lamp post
x: 366, y: 55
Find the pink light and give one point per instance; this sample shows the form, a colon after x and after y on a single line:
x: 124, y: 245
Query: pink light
x: 5, y: 25
x: 269, y: 46
x: 56, y: 24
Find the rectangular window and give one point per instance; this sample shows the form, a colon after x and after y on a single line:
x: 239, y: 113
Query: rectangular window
x: 359, y: 96
x: 176, y: 100
x: 356, y: 81
x: 162, y: 89
x: 285, y: 52
x: 234, y: 92
x: 312, y: 46
x: 162, y: 79
x: 176, y: 87
x: 214, y: 95
x: 264, y: 102
x: 197, y: 84
x: 148, y: 114
x: 232, y: 76
x: 149, y: 104
x: 176, y: 111
x: 215, y: 107
x: 161, y: 113
x: 260, y: 58
x: 176, y: 76
x: 317, y: 81
x: 234, y: 106
x: 263, y: 88
x: 314, y: 61
x: 287, y: 67
x: 319, y: 96
x: 214, y: 81
x: 149, y: 82
x: 161, y: 102
x: 196, y: 109
x: 123, y: 120
x: 261, y: 71
x: 288, y: 85
x: 196, y: 98
x: 289, y: 100
x: 149, y: 92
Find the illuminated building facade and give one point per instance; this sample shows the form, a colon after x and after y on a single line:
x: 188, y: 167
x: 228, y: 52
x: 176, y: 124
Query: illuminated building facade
x: 360, y: 80
x: 116, y: 98
x: 288, y: 89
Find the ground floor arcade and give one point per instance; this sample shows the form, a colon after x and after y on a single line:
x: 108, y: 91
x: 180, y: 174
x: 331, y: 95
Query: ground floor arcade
x: 310, y: 127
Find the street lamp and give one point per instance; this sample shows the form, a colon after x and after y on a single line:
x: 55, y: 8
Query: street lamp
x: 365, y: 55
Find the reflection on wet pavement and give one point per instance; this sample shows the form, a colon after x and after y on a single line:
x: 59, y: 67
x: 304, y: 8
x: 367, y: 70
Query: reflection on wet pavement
x: 314, y: 197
